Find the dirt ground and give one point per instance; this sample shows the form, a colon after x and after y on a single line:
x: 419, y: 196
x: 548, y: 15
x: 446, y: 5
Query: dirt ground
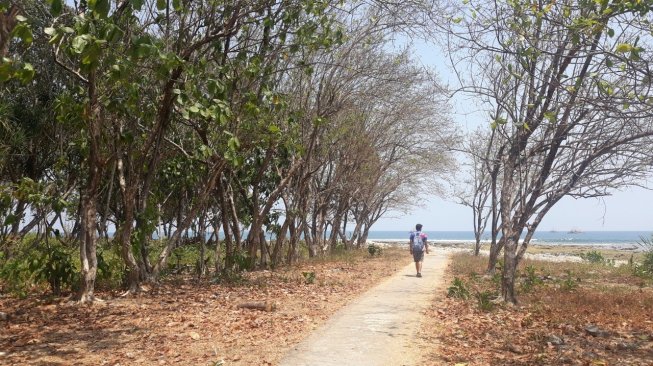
x: 183, y: 322
x: 568, y: 314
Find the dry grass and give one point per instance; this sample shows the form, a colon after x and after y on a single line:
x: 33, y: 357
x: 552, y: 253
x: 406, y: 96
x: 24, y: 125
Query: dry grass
x: 569, y: 313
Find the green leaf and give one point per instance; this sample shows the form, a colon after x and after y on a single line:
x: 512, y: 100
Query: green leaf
x: 623, y: 48
x: 21, y: 18
x: 91, y: 54
x: 102, y: 8
x: 610, y: 32
x: 26, y: 74
x: 6, y: 69
x: 23, y: 31
x: 233, y: 143
x: 176, y: 4
x: 137, y: 4
x: 550, y: 115
x: 161, y: 4
x: 500, y: 121
x: 56, y: 6
x: 79, y: 43
x: 49, y: 31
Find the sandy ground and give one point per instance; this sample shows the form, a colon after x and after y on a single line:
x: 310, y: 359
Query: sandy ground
x: 379, y: 328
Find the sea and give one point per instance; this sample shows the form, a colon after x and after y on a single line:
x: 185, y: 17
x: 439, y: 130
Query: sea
x: 608, y: 239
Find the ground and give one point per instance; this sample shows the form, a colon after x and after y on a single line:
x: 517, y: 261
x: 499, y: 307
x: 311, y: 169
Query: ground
x: 568, y: 313
x: 188, y: 323
x: 381, y: 327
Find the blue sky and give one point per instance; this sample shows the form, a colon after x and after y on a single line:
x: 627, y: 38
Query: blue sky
x: 627, y: 210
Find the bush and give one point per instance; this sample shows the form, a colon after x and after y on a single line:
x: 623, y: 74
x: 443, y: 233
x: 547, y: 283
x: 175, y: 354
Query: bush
x: 55, y: 267
x: 531, y: 279
x: 569, y: 283
x: 597, y: 258
x: 374, y: 249
x: 485, y: 300
x: 309, y: 277
x: 646, y: 267
x: 34, y: 263
x: 458, y: 289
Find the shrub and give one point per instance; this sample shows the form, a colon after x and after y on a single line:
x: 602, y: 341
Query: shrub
x: 496, y: 278
x: 485, y: 300
x: 309, y: 277
x: 458, y: 289
x: 647, y: 263
x: 374, y: 249
x: 34, y: 263
x: 55, y: 267
x: 473, y: 276
x: 569, y: 283
x: 531, y: 279
x: 597, y: 258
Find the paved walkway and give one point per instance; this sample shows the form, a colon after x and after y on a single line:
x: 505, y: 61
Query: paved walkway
x: 379, y: 327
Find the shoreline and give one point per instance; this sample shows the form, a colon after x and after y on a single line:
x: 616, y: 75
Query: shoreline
x: 539, y: 251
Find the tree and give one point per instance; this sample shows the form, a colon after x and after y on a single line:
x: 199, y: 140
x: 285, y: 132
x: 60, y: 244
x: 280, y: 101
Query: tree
x: 569, y: 87
x: 477, y: 188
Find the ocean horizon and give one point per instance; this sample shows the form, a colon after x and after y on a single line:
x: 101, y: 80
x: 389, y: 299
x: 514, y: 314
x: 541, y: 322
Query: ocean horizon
x: 616, y: 239
x: 601, y: 238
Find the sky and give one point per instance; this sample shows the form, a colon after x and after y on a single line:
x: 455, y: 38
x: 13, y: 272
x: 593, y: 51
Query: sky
x: 630, y: 209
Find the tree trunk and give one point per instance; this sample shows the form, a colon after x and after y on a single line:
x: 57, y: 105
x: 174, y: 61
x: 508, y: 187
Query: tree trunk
x: 495, y: 251
x: 201, y: 270
x: 225, y: 213
x: 279, y: 240
x: 200, y: 203
x: 125, y: 231
x: 88, y: 242
x: 20, y: 209
x: 7, y: 23
x: 292, y: 246
x: 509, y: 270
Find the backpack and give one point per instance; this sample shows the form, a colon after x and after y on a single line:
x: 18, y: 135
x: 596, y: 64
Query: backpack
x: 418, y: 241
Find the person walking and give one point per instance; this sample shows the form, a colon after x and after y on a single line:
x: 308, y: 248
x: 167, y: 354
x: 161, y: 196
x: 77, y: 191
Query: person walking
x: 418, y: 246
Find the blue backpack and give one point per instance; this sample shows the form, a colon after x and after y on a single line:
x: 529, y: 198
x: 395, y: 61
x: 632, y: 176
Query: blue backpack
x: 418, y: 242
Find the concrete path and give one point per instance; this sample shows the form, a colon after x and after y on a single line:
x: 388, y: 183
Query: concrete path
x: 380, y: 327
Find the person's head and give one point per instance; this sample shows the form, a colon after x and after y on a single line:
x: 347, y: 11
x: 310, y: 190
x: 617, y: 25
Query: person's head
x: 418, y: 227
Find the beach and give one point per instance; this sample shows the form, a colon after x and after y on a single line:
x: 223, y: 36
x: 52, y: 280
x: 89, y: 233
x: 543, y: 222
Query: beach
x: 555, y: 252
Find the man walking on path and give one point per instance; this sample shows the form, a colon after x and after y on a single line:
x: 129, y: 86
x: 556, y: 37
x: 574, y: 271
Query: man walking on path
x: 417, y: 246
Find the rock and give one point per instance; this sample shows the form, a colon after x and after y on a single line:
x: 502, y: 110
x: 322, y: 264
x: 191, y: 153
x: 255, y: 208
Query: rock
x: 590, y: 355
x: 3, y: 316
x: 194, y: 335
x: 515, y: 349
x: 595, y: 331
x: 626, y: 346
x: 555, y: 340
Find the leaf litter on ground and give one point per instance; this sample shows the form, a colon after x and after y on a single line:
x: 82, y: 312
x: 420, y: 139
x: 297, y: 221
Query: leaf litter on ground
x: 182, y: 322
